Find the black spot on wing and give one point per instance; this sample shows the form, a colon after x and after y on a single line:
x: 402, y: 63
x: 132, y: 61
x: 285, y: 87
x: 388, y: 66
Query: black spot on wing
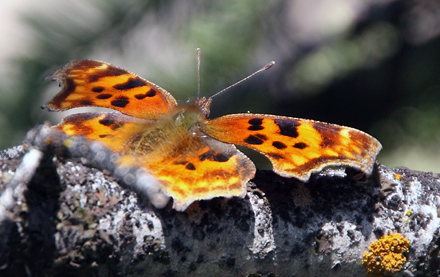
x: 300, y: 145
x: 219, y: 157
x: 213, y: 155
x: 255, y: 128
x: 104, y: 96
x: 256, y: 124
x: 190, y: 166
x: 279, y: 145
x: 104, y: 135
x: 149, y: 93
x: 106, y: 122
x: 131, y: 83
x: 288, y: 127
x: 121, y: 101
x: 111, y: 122
x: 97, y: 89
x: 256, y: 139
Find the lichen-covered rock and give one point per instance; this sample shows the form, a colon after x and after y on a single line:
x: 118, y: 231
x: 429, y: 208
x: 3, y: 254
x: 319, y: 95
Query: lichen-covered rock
x: 385, y: 256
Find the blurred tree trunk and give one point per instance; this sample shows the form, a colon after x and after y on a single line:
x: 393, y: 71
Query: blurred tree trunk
x: 60, y: 216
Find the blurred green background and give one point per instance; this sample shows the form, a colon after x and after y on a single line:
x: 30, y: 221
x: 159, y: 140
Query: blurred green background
x: 373, y: 65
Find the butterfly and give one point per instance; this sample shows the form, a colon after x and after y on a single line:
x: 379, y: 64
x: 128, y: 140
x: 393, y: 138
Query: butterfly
x: 191, y: 156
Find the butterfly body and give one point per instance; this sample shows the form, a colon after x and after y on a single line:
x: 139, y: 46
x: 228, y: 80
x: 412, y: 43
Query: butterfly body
x: 192, y: 156
x: 168, y: 134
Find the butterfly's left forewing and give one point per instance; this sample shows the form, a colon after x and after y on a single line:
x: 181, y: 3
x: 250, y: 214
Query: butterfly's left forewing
x: 99, y: 84
x: 297, y: 147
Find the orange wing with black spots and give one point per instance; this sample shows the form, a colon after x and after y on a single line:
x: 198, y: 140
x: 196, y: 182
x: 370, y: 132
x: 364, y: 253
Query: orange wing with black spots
x: 297, y: 147
x: 198, y: 168
x: 99, y: 84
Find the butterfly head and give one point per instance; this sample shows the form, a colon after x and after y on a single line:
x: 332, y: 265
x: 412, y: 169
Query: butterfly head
x: 191, y: 115
x: 204, y: 104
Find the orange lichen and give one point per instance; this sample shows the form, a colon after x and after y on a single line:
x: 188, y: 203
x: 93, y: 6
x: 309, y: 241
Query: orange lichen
x: 398, y: 176
x: 385, y: 256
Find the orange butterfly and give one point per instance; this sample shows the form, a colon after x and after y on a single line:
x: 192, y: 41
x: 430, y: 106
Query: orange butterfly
x: 194, y: 157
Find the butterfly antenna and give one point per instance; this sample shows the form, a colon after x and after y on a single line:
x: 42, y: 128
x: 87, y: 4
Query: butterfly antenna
x: 266, y: 67
x: 199, y: 54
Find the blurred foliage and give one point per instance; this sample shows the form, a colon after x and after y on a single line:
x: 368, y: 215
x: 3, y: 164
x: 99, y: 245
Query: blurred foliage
x: 370, y: 65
